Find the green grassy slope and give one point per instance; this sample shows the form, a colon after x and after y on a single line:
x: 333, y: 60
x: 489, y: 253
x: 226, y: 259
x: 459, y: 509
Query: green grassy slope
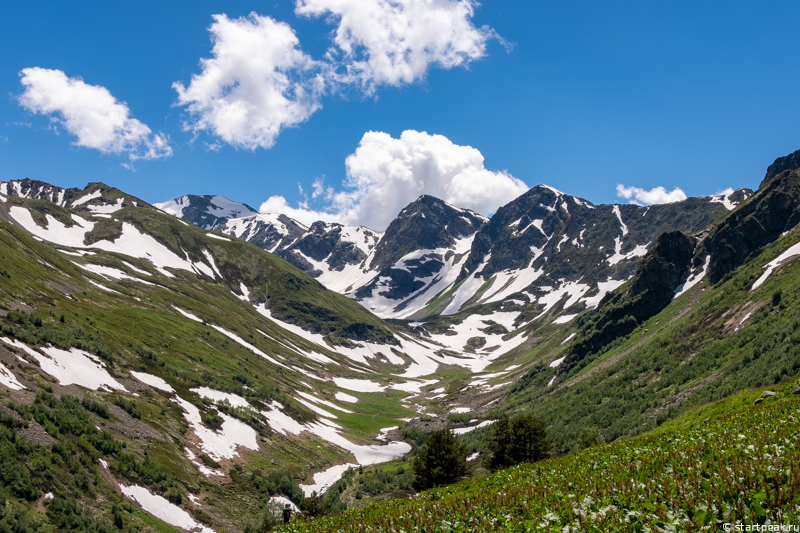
x: 135, y: 327
x: 716, y: 464
x: 706, y: 345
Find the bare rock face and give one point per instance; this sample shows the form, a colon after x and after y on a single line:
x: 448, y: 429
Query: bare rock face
x: 651, y: 289
x: 780, y: 165
x: 663, y: 269
x: 774, y: 209
x: 425, y: 224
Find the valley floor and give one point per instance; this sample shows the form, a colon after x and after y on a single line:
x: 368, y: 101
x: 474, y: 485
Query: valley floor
x: 734, y: 461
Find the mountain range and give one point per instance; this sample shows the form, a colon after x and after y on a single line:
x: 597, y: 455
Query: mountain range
x: 185, y: 363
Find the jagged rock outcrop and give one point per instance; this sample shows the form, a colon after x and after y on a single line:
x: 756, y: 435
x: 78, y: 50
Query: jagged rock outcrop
x: 666, y: 266
x: 425, y: 224
x: 773, y: 209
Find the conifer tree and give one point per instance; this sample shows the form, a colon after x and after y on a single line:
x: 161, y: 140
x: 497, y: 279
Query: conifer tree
x: 441, y: 461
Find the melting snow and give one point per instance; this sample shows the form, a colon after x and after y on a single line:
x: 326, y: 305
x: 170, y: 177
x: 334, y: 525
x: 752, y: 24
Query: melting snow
x: 461, y: 431
x: 329, y: 431
x: 131, y: 242
x: 563, y: 319
x: 724, y: 199
x: 109, y: 272
x: 222, y: 444
x: 638, y: 251
x: 569, y: 338
x: 693, y: 280
x: 219, y: 237
x: 8, y: 379
x: 106, y: 208
x: 603, y: 288
x: 621, y: 223
x: 326, y: 478
x: 772, y: 265
x: 154, y: 381
x: 162, y: 509
x: 283, y: 500
x: 76, y: 367
x: 461, y: 410
x: 218, y: 396
x: 557, y: 362
x: 91, y: 196
x: 344, y: 397
x: 359, y: 385
x: 384, y: 431
x: 314, y: 399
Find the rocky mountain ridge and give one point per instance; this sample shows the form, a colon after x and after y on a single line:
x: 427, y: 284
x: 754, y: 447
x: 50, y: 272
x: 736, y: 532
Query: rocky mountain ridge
x: 436, y: 259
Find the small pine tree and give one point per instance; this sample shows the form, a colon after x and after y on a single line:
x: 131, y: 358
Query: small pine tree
x: 500, y: 445
x: 522, y: 439
x: 441, y: 461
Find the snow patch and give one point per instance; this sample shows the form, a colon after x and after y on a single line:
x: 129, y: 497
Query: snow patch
x: 106, y: 209
x: 218, y: 396
x: 622, y: 225
x: 154, y: 381
x: 323, y: 480
x: 344, y: 397
x: 693, y: 280
x: 76, y: 367
x: 91, y: 196
x: 772, y: 265
x: 162, y: 509
x: 563, y: 319
x: 8, y: 379
x: 638, y: 251
x: 461, y: 431
x: 220, y: 444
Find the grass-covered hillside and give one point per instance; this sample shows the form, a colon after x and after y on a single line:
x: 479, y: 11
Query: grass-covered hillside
x: 149, y: 365
x: 709, y: 343
x: 731, y: 461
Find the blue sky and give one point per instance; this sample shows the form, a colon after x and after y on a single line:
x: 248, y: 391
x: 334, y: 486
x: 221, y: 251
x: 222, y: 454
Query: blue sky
x: 578, y: 95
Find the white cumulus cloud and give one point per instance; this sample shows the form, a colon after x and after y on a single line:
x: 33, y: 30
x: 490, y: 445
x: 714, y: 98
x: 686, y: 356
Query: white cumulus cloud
x: 386, y: 174
x: 393, y: 42
x: 90, y: 113
x: 302, y: 213
x: 656, y: 195
x: 258, y: 82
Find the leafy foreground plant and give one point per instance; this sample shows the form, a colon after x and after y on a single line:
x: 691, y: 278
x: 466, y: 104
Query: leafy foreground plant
x: 729, y: 462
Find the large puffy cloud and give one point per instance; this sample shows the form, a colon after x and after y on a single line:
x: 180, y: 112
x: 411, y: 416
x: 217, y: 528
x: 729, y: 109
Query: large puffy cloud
x: 90, y: 113
x: 393, y: 42
x: 386, y: 174
x: 258, y: 82
x: 656, y: 195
